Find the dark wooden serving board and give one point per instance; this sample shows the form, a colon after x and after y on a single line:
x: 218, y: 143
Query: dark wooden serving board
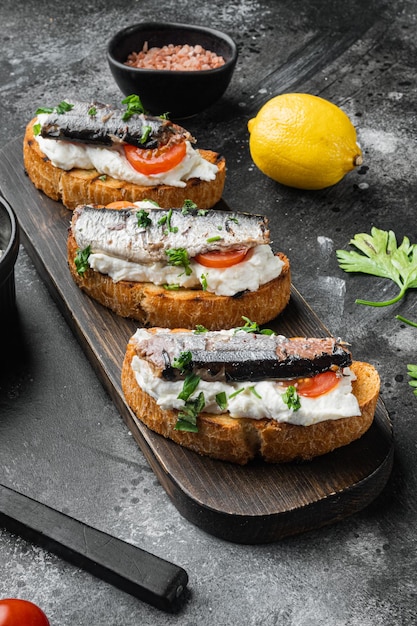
x: 257, y: 503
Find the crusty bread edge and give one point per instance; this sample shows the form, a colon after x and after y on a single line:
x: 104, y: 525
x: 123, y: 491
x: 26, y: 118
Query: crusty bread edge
x: 152, y: 305
x: 242, y: 440
x: 78, y: 186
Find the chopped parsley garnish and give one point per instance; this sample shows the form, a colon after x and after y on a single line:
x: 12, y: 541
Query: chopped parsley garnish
x: 203, y: 280
x: 200, y: 329
x: 202, y: 212
x: 37, y: 129
x: 187, y: 206
x: 291, y: 398
x: 221, y: 400
x: 253, y: 327
x: 60, y: 108
x: 178, y: 257
x: 81, y: 260
x: 172, y: 287
x: 145, y: 134
x: 190, y: 385
x: 166, y: 220
x: 92, y: 111
x: 183, y: 361
x: 213, y: 239
x: 143, y: 218
x: 255, y: 393
x: 236, y: 393
x: 133, y: 106
x: 103, y: 178
x: 187, y: 416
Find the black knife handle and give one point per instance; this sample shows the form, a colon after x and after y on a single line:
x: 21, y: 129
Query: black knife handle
x: 133, y: 570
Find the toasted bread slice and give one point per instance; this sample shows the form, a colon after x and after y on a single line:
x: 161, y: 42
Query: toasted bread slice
x: 152, y: 305
x: 78, y: 186
x: 240, y: 440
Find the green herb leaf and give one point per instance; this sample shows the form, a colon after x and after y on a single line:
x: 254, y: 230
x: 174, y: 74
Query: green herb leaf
x: 178, y: 257
x: 145, y: 134
x: 213, y: 239
x: 187, y: 416
x: 133, y: 106
x: 236, y: 393
x: 255, y: 393
x: 202, y: 212
x: 187, y: 206
x: 143, y: 218
x: 81, y: 260
x: 37, y: 129
x: 172, y: 287
x: 412, y: 372
x: 381, y: 256
x: 252, y: 327
x: 183, y: 361
x: 103, y: 178
x: 166, y: 219
x: 190, y: 385
x: 203, y: 280
x: 221, y: 400
x: 200, y: 329
x: 60, y: 108
x: 92, y: 111
x: 291, y: 398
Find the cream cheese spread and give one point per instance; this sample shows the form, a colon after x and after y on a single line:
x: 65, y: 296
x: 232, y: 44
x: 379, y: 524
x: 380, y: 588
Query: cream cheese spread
x: 112, y: 162
x: 260, y: 267
x: 256, y: 401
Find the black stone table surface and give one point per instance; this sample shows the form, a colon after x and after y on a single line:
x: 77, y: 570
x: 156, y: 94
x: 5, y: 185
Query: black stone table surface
x: 360, y: 571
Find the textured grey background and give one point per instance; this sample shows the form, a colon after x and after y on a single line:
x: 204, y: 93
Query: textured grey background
x: 61, y: 439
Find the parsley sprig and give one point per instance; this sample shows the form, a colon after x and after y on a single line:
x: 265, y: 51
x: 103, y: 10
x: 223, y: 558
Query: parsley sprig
x: 62, y: 107
x: 178, y: 257
x: 253, y: 327
x: 291, y: 398
x: 381, y: 256
x: 133, y: 106
x: 81, y: 260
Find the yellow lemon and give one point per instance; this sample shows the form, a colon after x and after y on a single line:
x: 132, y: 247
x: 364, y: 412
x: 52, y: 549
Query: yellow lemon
x: 303, y: 141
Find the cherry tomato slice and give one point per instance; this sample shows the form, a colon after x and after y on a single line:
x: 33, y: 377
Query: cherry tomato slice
x: 15, y: 612
x: 155, y: 161
x: 316, y: 385
x: 119, y: 204
x: 222, y: 258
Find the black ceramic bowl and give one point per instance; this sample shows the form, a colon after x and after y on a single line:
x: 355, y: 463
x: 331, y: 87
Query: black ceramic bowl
x: 9, y: 249
x: 178, y: 93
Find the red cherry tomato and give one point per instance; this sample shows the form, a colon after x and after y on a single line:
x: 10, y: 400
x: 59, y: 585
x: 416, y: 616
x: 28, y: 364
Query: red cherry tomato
x: 119, y: 204
x: 14, y: 612
x: 222, y: 258
x: 155, y: 161
x: 316, y: 385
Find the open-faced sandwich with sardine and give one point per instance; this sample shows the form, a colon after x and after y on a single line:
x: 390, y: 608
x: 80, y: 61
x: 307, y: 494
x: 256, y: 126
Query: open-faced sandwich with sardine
x: 178, y: 267
x: 94, y: 153
x: 246, y: 394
